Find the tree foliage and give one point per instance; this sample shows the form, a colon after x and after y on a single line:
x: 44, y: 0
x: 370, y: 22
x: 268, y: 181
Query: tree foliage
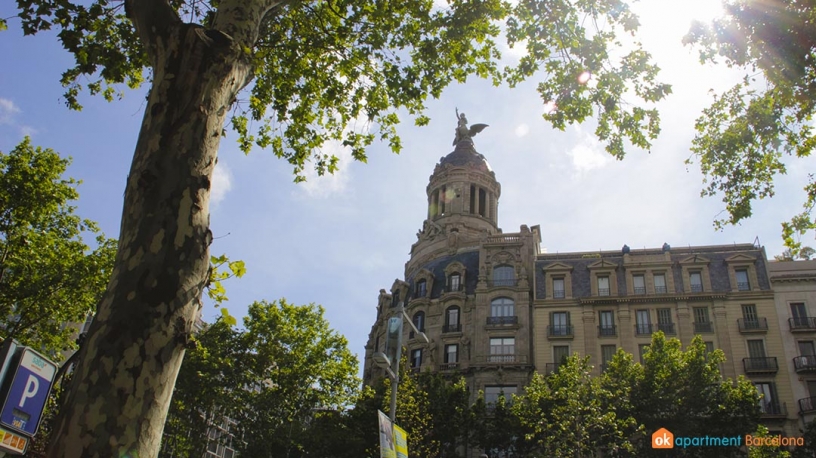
x: 277, y: 380
x: 743, y: 139
x: 48, y: 275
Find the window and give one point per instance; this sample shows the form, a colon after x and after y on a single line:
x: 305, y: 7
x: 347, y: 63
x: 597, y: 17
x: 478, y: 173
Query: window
x: 607, y: 353
x: 472, y: 199
x: 750, y: 319
x: 756, y: 348
x: 444, y: 197
x: 492, y: 393
x: 799, y: 314
x: 395, y: 299
x: 416, y: 358
x: 377, y: 344
x: 603, y: 286
x: 701, y: 321
x: 806, y: 348
x: 451, y: 353
x: 664, y: 321
x: 643, y: 322
x: 502, y: 349
x: 559, y: 324
x: 769, y: 404
x: 660, y: 284
x: 502, y: 306
x: 482, y: 202
x: 504, y: 275
x: 749, y: 312
x: 454, y: 282
x: 452, y: 320
x: 560, y: 354
x: 607, y: 320
x: 419, y: 321
x: 742, y: 280
x: 87, y: 325
x: 696, y: 282
x: 421, y: 289
x: 642, y: 349
x: 558, y: 288
x: 639, y: 282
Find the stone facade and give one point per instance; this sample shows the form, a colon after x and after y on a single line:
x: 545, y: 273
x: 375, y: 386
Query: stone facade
x: 496, y: 309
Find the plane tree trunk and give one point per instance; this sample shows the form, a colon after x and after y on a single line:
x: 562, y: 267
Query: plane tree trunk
x: 121, y: 389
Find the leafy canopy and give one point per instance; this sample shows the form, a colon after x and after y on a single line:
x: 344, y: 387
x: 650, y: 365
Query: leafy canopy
x: 744, y: 139
x: 341, y: 70
x: 48, y: 275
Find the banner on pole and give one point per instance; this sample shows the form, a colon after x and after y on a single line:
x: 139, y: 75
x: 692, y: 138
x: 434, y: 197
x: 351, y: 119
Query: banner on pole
x: 387, y: 447
x: 401, y: 442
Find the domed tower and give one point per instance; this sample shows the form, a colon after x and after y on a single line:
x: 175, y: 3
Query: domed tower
x: 463, y: 198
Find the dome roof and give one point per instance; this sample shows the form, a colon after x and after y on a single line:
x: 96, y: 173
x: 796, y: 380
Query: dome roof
x: 465, y: 155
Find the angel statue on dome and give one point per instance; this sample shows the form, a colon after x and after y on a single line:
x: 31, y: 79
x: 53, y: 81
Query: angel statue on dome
x: 463, y: 132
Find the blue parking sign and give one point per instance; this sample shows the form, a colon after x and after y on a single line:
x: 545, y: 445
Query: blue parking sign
x: 28, y: 393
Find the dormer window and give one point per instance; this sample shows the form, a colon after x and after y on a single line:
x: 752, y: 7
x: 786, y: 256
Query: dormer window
x: 421, y: 288
x: 603, y: 286
x: 743, y: 284
x: 455, y: 282
x: 395, y: 299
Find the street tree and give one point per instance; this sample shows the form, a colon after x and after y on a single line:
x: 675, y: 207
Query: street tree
x: 49, y: 276
x: 684, y: 392
x: 752, y: 132
x: 299, y: 367
x: 571, y: 414
x: 319, y: 69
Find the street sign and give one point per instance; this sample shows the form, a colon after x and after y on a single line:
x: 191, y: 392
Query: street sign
x: 28, y: 392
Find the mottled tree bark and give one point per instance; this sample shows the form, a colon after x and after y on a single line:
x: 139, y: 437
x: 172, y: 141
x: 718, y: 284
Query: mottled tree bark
x: 122, y: 387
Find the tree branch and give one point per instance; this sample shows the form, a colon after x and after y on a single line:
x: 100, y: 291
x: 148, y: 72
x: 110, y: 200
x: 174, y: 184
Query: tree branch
x: 241, y: 19
x: 153, y: 20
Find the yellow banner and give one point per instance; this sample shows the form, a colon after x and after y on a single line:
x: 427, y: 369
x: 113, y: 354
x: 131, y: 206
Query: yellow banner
x: 401, y: 442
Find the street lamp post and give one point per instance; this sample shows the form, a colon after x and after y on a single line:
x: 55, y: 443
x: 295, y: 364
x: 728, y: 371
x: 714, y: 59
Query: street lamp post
x: 390, y: 361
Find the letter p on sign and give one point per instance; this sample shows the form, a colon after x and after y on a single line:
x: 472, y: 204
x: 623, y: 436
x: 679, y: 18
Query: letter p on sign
x: 662, y: 438
x: 31, y: 387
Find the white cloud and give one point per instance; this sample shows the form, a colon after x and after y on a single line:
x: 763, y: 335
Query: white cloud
x: 7, y: 111
x: 221, y: 182
x: 588, y: 154
x: 522, y: 130
x: 328, y: 184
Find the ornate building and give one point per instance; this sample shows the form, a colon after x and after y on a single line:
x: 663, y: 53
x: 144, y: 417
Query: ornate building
x: 496, y: 308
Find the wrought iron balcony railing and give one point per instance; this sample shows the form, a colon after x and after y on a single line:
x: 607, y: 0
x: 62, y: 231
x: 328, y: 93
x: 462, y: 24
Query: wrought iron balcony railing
x: 502, y: 320
x: 562, y: 331
x: 696, y: 288
x: 559, y: 294
x: 753, y: 325
x: 805, y: 363
x: 807, y: 405
x: 764, y: 365
x: 802, y: 324
x: 703, y: 327
x: 607, y: 331
x: 451, y: 328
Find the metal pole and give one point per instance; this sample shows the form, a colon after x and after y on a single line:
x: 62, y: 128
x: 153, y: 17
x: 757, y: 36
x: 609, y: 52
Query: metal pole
x: 392, y: 413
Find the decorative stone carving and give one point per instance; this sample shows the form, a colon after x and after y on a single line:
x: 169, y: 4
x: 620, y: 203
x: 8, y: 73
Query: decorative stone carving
x: 463, y: 133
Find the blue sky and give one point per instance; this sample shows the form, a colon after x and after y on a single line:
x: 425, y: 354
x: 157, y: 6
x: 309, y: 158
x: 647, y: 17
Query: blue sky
x: 338, y: 240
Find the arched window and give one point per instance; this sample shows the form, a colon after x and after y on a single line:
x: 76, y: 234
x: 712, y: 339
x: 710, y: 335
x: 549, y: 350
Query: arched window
x: 419, y: 321
x: 421, y: 288
x: 502, y: 306
x: 452, y: 319
x: 455, y: 282
x: 504, y: 275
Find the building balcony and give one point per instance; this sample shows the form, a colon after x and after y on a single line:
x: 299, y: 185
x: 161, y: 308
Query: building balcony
x: 502, y: 320
x: 498, y: 360
x: 807, y: 405
x: 563, y: 331
x: 661, y: 290
x: 705, y: 327
x: 502, y: 282
x: 802, y: 324
x: 451, y: 328
x: 639, y: 290
x: 805, y: 364
x: 773, y: 409
x: 609, y: 330
x: 649, y: 329
x: 754, y: 325
x: 765, y: 365
x: 448, y: 367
